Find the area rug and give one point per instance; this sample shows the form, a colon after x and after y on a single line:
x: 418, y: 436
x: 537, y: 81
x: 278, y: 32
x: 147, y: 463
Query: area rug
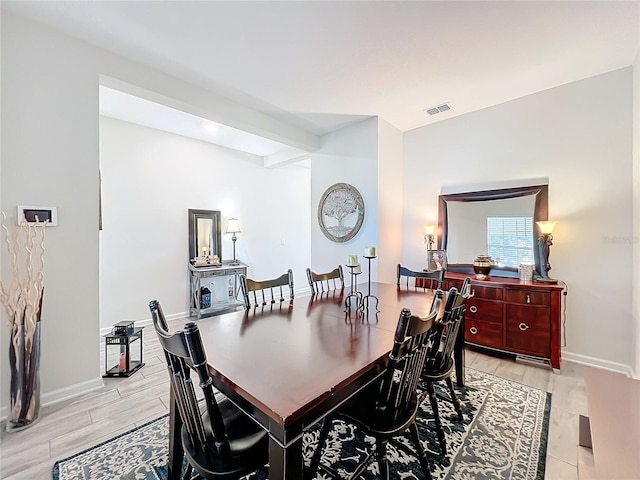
x: 503, y: 436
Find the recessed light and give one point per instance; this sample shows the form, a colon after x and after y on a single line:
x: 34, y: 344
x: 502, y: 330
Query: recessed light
x: 210, y: 127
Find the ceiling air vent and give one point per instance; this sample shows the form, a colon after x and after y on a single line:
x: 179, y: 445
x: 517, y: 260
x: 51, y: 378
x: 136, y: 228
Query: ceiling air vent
x: 438, y: 109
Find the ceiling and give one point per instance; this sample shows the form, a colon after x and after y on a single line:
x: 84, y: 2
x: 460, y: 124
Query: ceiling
x: 320, y: 65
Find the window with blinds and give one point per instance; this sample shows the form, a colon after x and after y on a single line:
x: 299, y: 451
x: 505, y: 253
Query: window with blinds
x: 510, y: 240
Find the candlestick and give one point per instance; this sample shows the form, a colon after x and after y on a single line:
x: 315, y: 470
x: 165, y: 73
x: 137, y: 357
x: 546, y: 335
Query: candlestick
x: 352, y: 260
x: 370, y: 252
x: 354, y: 271
x: 368, y: 297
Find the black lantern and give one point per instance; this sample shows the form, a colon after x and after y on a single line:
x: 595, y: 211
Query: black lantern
x: 119, y: 342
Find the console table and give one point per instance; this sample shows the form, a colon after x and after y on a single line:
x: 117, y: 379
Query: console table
x: 198, y: 274
x: 509, y: 316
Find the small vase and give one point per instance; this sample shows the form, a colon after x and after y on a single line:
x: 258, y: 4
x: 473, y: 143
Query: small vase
x: 24, y: 360
x: 482, y: 266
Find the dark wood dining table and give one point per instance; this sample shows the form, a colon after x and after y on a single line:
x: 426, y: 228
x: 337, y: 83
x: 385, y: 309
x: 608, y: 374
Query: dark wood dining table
x: 289, y: 364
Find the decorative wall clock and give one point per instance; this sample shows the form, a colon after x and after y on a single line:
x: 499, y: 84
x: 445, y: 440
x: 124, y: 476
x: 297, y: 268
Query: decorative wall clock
x: 341, y: 212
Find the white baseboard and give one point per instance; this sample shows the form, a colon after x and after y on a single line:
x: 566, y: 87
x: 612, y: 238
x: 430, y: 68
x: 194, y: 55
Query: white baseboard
x: 599, y: 363
x: 63, y: 394
x: 303, y: 292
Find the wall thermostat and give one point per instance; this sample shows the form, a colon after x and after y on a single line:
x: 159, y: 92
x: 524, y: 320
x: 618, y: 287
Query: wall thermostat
x: 42, y: 213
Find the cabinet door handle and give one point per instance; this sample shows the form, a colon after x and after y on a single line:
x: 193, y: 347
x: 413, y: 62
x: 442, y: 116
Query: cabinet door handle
x: 473, y: 309
x: 523, y: 326
x: 473, y: 330
x: 528, y: 299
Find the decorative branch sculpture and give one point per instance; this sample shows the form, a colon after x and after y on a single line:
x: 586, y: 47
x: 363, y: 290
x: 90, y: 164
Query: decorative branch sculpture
x: 22, y: 301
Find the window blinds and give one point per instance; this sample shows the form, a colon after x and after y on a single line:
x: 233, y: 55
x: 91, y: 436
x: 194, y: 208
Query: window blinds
x: 510, y: 240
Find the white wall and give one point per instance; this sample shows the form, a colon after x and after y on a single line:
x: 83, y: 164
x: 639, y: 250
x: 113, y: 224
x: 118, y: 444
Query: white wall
x: 636, y: 212
x: 390, y: 168
x: 4, y: 332
x: 580, y: 136
x: 349, y: 155
x: 151, y: 178
x: 50, y: 156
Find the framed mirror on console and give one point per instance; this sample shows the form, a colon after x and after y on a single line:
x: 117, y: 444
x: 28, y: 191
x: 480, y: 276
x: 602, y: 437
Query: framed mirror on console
x: 205, y: 234
x: 501, y: 221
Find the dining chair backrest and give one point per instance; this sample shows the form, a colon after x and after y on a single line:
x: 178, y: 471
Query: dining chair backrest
x: 419, y: 279
x: 325, y: 282
x: 162, y: 321
x: 184, y: 352
x: 266, y: 289
x: 445, y: 332
x: 400, y: 380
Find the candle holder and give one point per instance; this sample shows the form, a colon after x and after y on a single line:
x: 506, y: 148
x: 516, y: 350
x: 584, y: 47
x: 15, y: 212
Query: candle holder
x: 354, y: 289
x: 367, y: 298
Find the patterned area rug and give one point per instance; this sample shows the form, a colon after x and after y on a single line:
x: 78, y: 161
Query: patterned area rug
x: 503, y: 436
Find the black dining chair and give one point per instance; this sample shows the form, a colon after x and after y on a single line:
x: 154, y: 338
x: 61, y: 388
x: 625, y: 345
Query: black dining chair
x: 325, y: 282
x: 265, y: 289
x: 219, y: 440
x: 439, y: 363
x: 387, y: 408
x: 419, y: 279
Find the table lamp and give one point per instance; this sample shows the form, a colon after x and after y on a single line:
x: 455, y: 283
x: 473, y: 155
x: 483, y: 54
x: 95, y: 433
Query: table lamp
x: 545, y: 240
x: 233, y: 228
x: 429, y: 236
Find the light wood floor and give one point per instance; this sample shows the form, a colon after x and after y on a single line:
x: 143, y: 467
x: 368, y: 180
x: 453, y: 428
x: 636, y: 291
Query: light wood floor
x: 72, y: 426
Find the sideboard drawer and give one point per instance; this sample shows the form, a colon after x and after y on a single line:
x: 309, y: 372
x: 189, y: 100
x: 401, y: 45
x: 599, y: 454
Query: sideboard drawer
x: 222, y: 272
x: 528, y: 330
x: 212, y: 273
x: 489, y: 293
x: 534, y: 315
x: 527, y: 297
x: 488, y: 334
x: 488, y: 310
x: 236, y: 271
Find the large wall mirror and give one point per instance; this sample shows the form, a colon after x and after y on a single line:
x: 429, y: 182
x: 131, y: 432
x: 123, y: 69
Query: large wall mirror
x: 205, y: 233
x: 499, y: 222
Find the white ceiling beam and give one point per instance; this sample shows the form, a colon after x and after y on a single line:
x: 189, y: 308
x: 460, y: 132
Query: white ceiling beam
x: 285, y: 157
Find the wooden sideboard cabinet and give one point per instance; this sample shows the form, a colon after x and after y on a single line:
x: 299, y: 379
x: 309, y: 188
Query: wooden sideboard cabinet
x: 507, y: 315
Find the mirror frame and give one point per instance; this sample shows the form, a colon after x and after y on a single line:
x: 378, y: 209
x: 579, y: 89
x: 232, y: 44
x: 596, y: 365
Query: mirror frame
x: 213, y: 215
x: 540, y: 213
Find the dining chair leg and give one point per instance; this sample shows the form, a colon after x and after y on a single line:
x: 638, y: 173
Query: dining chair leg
x: 436, y: 415
x: 454, y: 398
x: 422, y: 455
x: 322, y: 438
x: 383, y: 463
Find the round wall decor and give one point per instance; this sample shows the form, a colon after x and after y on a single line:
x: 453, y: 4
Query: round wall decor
x: 341, y: 212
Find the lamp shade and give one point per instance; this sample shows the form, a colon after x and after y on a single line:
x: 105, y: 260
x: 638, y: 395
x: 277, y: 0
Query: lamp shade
x: 429, y: 229
x: 232, y: 226
x: 546, y: 228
